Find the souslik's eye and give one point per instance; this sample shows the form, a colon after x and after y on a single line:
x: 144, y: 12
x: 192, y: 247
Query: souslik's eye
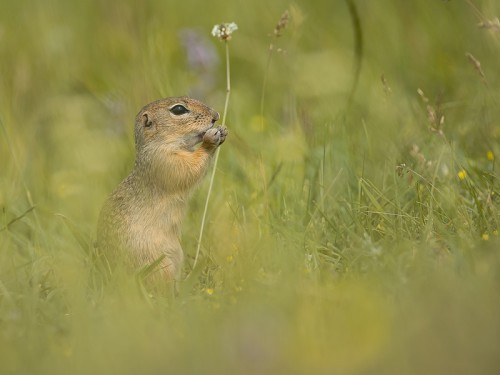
x: 179, y: 109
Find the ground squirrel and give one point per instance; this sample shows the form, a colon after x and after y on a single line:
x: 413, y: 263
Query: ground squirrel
x: 143, y: 215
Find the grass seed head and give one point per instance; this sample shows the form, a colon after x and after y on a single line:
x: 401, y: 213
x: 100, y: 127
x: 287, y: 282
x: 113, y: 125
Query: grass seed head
x: 281, y: 23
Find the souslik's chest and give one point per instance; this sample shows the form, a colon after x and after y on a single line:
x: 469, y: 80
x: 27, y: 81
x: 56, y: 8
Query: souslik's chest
x: 156, y: 226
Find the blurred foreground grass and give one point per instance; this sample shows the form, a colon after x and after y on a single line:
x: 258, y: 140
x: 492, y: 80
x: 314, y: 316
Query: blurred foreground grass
x: 350, y: 232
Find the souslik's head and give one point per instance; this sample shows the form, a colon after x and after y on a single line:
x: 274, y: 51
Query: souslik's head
x: 172, y: 124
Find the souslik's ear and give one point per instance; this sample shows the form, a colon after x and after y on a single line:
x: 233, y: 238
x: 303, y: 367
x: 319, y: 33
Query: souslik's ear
x: 146, y: 121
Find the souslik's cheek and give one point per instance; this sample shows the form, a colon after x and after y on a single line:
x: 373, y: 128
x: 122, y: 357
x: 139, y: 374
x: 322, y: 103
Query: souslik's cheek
x: 192, y: 139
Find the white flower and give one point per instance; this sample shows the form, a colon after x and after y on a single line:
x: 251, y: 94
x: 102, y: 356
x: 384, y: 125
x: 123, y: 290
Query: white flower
x: 223, y: 31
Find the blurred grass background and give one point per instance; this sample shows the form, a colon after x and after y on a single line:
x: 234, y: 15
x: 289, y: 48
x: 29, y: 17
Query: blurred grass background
x: 353, y: 227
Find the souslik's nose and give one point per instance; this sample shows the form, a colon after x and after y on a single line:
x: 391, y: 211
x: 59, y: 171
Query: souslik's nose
x: 215, y: 116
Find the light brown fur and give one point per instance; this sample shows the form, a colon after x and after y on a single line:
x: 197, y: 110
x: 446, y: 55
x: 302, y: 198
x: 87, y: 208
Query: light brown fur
x: 143, y: 216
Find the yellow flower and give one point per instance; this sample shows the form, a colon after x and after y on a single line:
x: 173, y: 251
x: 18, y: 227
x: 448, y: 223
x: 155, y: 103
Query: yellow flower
x: 485, y: 236
x: 490, y: 156
x: 462, y: 174
x: 209, y: 291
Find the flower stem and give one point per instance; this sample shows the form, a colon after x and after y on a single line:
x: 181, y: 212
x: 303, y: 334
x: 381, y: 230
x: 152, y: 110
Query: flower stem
x: 212, y: 177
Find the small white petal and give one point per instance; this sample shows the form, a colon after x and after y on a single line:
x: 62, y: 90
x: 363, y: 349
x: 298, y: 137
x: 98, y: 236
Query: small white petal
x: 223, y: 31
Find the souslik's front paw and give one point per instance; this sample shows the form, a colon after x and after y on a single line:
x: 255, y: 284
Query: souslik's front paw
x: 215, y: 136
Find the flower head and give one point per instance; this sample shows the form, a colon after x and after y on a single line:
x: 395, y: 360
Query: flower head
x: 223, y: 31
x: 462, y: 174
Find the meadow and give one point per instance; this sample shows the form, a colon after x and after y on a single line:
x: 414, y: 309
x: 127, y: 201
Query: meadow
x: 353, y: 226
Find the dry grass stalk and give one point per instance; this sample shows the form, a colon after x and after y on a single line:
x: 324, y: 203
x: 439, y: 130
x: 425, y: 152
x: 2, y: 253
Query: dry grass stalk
x: 490, y: 24
x: 385, y: 84
x: 477, y: 65
x: 434, y: 114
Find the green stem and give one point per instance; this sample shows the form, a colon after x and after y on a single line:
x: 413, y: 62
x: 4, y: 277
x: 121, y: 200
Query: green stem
x: 212, y: 177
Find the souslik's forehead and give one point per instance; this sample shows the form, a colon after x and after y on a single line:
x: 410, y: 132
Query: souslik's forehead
x: 192, y: 105
x: 165, y: 105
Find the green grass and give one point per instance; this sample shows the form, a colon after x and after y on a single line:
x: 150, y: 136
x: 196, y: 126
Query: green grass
x: 350, y: 229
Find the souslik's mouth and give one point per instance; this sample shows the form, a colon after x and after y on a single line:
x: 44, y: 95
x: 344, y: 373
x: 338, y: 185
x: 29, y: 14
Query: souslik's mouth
x: 195, y: 138
x: 202, y: 133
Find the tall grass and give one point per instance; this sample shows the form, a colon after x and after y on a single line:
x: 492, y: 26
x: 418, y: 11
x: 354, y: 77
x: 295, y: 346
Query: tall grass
x: 350, y: 231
